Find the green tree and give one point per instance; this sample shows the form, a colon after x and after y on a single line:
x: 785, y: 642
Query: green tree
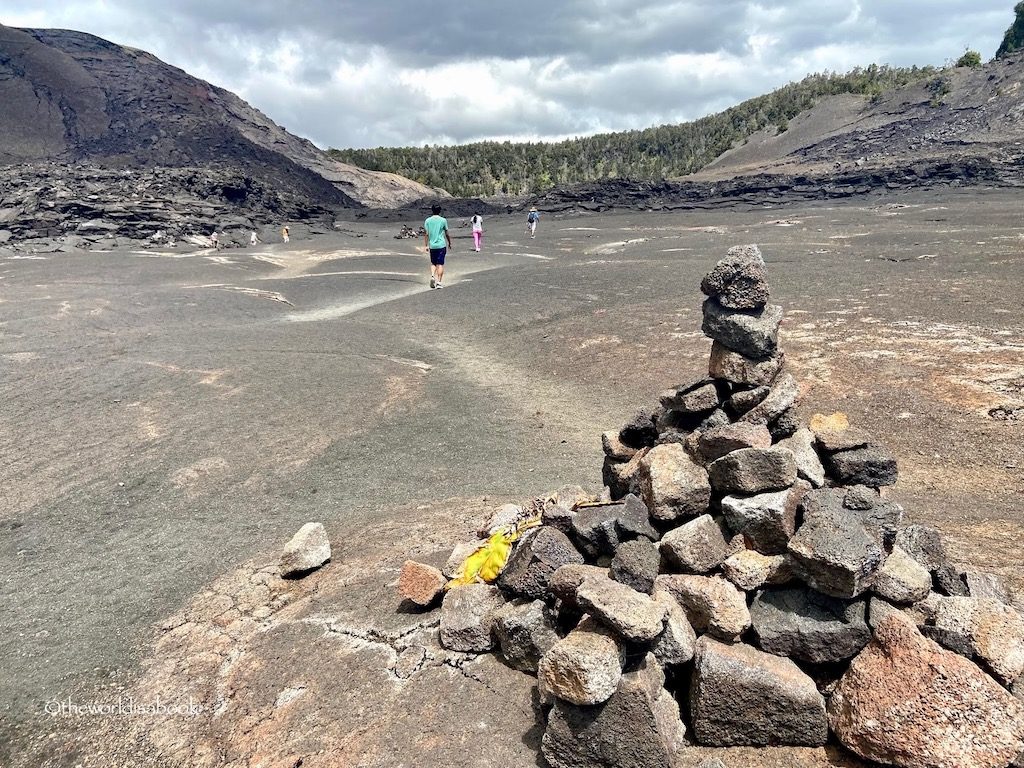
x: 970, y: 59
x: 1013, y: 40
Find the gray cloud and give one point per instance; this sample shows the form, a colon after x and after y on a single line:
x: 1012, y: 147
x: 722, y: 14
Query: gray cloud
x: 398, y: 72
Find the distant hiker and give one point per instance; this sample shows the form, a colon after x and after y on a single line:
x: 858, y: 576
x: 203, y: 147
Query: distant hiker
x: 477, y: 222
x: 284, y: 234
x: 438, y: 242
x: 531, y: 222
x: 254, y: 239
x: 215, y: 240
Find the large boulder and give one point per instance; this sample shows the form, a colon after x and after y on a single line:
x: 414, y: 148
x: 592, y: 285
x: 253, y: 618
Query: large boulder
x: 699, y: 546
x: 987, y: 629
x: 712, y: 604
x: 638, y: 727
x: 753, y: 334
x: 524, y: 632
x: 842, y: 541
x: 907, y: 702
x: 536, y: 557
x: 726, y: 365
x: 584, y: 667
x: 740, y: 696
x: 766, y: 520
x: 739, y: 281
x: 808, y: 626
x: 633, y: 615
x: 673, y: 485
x: 753, y: 470
x: 307, y: 550
x: 467, y: 617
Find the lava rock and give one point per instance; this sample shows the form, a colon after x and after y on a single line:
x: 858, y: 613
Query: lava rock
x: 742, y: 401
x: 806, y: 625
x: 524, y: 632
x: 675, y: 644
x: 616, y: 449
x: 567, y: 579
x: 785, y: 425
x: 750, y: 570
x: 739, y: 281
x: 673, y: 485
x: 781, y: 397
x: 638, y: 727
x: 985, y: 585
x: 422, y: 584
x: 767, y: 520
x: 726, y: 365
x: 467, y: 617
x: 599, y: 529
x: 753, y: 334
x: 633, y: 615
x: 905, y: 701
x: 453, y: 565
x: 901, y: 579
x: 872, y: 466
x: 699, y: 546
x: 808, y: 463
x: 712, y: 604
x: 307, y: 550
x: 640, y: 432
x: 832, y: 440
x: 636, y: 565
x: 753, y: 470
x: 536, y: 557
x: 504, y: 517
x: 715, y: 443
x: 700, y: 400
x: 991, y: 630
x: 740, y: 696
x: 584, y: 667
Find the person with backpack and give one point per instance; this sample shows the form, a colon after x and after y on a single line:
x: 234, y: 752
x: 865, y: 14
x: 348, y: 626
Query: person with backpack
x: 531, y: 222
x: 438, y: 242
x: 477, y: 222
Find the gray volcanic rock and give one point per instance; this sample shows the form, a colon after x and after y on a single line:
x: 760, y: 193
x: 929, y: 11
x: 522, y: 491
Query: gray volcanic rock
x: 805, y: 625
x: 640, y: 432
x: 712, y: 604
x: 674, y: 645
x: 901, y: 579
x: 715, y: 443
x: 752, y: 334
x: 924, y: 544
x: 524, y: 632
x: 766, y: 520
x: 987, y: 629
x: 740, y: 696
x: 674, y: 486
x: 600, y: 528
x: 808, y: 464
x: 739, y: 281
x: 536, y: 557
x: 781, y: 397
x: 584, y: 667
x: 701, y: 399
x: 467, y: 617
x: 743, y: 400
x: 872, y: 466
x: 753, y: 470
x: 726, y: 365
x: 750, y: 570
x: 309, y: 548
x: 638, y: 727
x: 699, y: 546
x: 636, y: 565
x: 633, y: 615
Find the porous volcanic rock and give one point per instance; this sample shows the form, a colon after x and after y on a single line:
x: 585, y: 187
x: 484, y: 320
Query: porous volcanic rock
x: 308, y: 549
x: 805, y: 625
x: 712, y: 604
x: 635, y: 616
x: 467, y: 617
x: 766, y: 520
x: 753, y: 334
x: 699, y: 546
x: 753, y: 470
x: 584, y: 667
x: 536, y: 557
x: 673, y: 485
x: 739, y: 281
x: 524, y: 632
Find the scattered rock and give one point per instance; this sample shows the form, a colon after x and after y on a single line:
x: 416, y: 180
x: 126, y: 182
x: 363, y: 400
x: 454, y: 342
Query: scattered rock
x: 524, y: 633
x: 675, y: 644
x: 638, y: 727
x: 584, y: 667
x: 673, y: 485
x: 805, y: 625
x: 715, y: 443
x: 753, y: 334
x: 901, y: 579
x: 907, y: 702
x: 989, y: 629
x: 536, y: 557
x: 633, y: 615
x: 740, y: 696
x: 750, y: 570
x: 467, y: 617
x: 738, y: 281
x: 766, y: 520
x: 712, y: 604
x: 308, y: 549
x: 753, y: 470
x: 808, y: 464
x: 636, y: 565
x: 422, y: 584
x: 699, y: 546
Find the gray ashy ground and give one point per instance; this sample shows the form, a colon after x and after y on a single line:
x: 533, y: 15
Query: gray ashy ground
x: 168, y: 422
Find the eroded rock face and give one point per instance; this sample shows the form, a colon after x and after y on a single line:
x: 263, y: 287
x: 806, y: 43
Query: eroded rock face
x: 638, y: 727
x: 907, y: 702
x: 584, y: 667
x: 742, y: 696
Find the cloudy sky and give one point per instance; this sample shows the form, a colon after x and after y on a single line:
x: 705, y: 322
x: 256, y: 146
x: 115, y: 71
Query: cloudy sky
x: 400, y: 72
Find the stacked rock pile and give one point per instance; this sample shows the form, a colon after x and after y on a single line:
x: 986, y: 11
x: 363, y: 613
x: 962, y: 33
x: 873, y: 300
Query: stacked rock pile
x: 747, y: 575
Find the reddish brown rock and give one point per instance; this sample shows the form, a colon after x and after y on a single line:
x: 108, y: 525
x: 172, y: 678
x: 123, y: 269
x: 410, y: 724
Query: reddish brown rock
x: 422, y: 584
x: 905, y: 701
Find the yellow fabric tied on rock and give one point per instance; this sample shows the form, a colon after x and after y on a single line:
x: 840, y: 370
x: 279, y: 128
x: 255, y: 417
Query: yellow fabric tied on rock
x: 487, y: 561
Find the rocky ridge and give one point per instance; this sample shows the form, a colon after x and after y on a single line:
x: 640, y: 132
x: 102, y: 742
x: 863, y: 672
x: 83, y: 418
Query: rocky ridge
x: 744, y: 580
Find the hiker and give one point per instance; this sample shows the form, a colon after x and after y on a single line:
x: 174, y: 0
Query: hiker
x: 216, y: 241
x: 438, y: 242
x: 477, y: 222
x: 284, y: 234
x: 531, y: 222
x: 254, y: 239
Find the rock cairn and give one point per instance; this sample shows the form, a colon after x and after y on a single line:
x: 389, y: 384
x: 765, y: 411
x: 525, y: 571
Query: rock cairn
x: 745, y: 574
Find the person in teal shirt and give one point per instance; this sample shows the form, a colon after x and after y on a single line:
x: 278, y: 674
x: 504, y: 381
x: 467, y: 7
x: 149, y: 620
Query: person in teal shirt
x: 438, y: 242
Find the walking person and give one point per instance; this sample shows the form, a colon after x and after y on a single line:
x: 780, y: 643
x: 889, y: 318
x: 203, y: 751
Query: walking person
x: 531, y: 222
x: 285, y: 234
x: 438, y: 242
x: 215, y: 239
x: 254, y: 239
x: 477, y: 223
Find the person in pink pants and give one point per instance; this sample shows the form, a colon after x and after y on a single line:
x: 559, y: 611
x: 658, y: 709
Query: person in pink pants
x: 478, y: 230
